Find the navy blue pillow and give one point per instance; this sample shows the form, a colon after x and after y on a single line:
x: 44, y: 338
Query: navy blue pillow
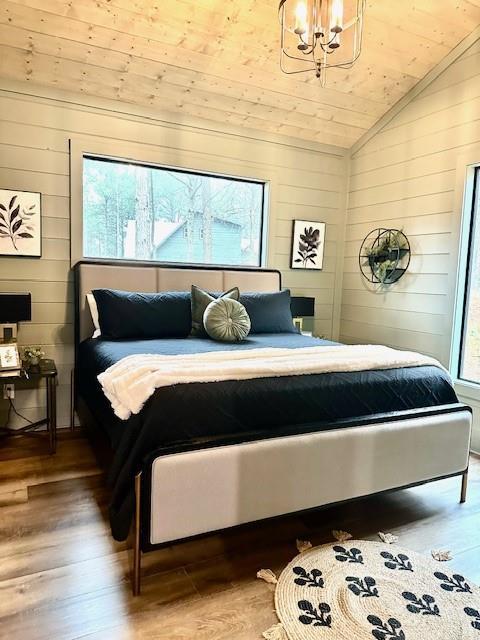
x: 123, y: 314
x: 269, y: 312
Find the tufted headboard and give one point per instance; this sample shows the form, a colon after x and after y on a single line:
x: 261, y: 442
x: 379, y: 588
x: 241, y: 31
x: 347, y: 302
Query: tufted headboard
x: 155, y: 277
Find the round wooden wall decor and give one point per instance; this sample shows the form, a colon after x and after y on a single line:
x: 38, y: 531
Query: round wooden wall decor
x: 384, y: 256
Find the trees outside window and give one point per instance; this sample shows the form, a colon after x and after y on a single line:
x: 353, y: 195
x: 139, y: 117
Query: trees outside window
x: 138, y: 212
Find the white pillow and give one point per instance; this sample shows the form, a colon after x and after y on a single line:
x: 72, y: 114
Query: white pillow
x: 92, y: 304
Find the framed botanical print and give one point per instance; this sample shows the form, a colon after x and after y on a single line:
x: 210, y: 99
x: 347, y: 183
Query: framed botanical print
x: 20, y: 223
x: 9, y: 357
x: 308, y: 243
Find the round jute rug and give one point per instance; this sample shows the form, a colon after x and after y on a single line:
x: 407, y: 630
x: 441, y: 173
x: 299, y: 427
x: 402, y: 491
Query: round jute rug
x: 363, y: 590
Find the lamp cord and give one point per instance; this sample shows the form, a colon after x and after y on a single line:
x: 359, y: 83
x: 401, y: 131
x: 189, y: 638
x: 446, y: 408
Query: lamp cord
x: 11, y: 407
x: 7, y: 420
x: 17, y: 413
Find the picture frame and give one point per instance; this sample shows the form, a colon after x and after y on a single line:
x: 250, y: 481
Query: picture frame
x: 9, y: 357
x: 20, y: 223
x: 308, y: 245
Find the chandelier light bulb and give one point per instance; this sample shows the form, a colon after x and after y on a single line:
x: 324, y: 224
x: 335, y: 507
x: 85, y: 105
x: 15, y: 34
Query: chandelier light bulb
x: 301, y: 18
x: 336, y: 16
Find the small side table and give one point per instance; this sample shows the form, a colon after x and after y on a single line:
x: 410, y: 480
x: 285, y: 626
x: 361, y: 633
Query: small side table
x: 49, y: 374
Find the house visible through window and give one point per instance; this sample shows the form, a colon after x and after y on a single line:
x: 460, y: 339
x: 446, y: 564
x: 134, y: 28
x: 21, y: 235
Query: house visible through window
x: 469, y: 368
x: 138, y: 212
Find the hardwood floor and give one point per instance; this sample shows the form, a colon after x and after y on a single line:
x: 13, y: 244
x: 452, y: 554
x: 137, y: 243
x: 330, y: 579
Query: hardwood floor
x: 63, y: 577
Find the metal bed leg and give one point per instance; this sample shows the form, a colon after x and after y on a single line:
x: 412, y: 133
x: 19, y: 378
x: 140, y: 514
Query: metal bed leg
x: 52, y: 393
x: 463, y: 494
x: 137, y: 552
x: 48, y: 383
x: 72, y: 400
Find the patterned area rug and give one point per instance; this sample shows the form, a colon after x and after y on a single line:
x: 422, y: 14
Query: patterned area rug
x: 362, y: 590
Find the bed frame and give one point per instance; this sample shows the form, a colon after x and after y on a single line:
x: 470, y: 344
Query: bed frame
x: 190, y: 491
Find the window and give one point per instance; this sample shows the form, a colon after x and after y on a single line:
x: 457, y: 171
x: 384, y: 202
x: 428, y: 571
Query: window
x: 469, y: 364
x: 139, y: 212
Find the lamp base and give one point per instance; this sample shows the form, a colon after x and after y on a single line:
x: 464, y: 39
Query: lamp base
x: 8, y: 332
x: 304, y: 324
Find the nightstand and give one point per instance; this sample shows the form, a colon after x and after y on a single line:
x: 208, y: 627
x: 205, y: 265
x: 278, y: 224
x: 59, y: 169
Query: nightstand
x: 22, y: 378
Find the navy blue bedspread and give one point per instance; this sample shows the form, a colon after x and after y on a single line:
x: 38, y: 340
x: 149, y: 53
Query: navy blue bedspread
x: 195, y: 411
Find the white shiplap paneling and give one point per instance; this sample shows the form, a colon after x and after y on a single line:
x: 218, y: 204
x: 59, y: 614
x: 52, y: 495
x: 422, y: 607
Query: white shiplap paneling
x: 405, y: 176
x: 34, y: 155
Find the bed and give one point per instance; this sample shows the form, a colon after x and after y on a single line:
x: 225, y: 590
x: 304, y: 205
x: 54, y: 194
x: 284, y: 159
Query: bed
x: 191, y: 461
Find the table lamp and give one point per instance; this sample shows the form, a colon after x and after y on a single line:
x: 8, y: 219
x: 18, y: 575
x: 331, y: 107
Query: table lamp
x: 303, y: 311
x: 14, y: 308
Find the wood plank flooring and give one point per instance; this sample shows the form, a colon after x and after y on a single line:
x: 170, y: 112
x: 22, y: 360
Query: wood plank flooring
x: 62, y: 577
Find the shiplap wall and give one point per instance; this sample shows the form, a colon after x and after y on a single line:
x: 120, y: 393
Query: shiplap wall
x: 405, y: 177
x: 35, y: 128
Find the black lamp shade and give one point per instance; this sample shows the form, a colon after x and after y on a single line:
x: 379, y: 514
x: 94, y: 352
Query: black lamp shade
x: 302, y: 307
x: 15, y: 307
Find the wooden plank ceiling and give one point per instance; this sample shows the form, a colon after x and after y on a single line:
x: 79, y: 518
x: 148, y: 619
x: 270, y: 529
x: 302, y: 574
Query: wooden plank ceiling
x: 218, y: 59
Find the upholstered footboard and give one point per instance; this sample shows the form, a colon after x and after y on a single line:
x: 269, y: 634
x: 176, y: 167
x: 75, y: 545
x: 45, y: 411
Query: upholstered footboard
x: 193, y: 492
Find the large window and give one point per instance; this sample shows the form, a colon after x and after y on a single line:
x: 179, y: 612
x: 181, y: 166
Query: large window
x: 469, y: 368
x: 139, y: 212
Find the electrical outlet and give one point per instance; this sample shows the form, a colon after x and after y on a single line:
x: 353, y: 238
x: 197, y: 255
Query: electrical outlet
x: 8, y: 391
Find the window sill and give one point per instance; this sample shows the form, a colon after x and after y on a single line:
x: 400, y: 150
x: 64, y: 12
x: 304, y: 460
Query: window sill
x: 470, y: 390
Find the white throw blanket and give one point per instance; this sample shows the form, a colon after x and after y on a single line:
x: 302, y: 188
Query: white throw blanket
x: 130, y: 382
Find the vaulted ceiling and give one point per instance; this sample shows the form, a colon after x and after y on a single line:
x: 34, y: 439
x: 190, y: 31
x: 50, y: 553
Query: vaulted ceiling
x: 218, y: 59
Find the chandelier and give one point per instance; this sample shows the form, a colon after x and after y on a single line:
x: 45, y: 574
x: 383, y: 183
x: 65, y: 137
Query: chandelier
x: 321, y: 34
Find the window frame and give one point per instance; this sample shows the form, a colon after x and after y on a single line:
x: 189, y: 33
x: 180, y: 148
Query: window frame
x: 472, y: 210
x: 459, y: 267
x: 165, y: 158
x: 123, y: 161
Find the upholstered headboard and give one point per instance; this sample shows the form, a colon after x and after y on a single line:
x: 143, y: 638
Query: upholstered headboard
x: 150, y: 278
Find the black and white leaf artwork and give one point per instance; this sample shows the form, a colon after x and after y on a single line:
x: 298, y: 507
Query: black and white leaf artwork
x: 456, y: 583
x: 16, y: 222
x: 308, y: 246
x: 309, y: 579
x: 424, y: 604
x: 316, y: 617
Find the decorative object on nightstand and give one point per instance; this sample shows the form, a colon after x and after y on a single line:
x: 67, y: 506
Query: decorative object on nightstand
x: 303, y: 311
x: 14, y: 308
x: 45, y: 371
x: 308, y: 243
x: 32, y: 356
x: 9, y: 358
x: 20, y: 223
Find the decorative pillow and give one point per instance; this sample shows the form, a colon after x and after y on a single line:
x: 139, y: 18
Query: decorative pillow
x: 226, y: 320
x: 200, y: 301
x: 92, y: 305
x: 269, y: 312
x: 123, y: 314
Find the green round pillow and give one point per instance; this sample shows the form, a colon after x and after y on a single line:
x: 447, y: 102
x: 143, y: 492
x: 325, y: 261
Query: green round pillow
x: 226, y: 320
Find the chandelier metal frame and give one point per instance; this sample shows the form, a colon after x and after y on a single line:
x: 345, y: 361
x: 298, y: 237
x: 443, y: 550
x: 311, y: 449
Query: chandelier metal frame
x: 322, y: 42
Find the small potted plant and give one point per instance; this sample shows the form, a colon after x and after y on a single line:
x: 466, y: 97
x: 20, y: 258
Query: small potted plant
x: 32, y: 355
